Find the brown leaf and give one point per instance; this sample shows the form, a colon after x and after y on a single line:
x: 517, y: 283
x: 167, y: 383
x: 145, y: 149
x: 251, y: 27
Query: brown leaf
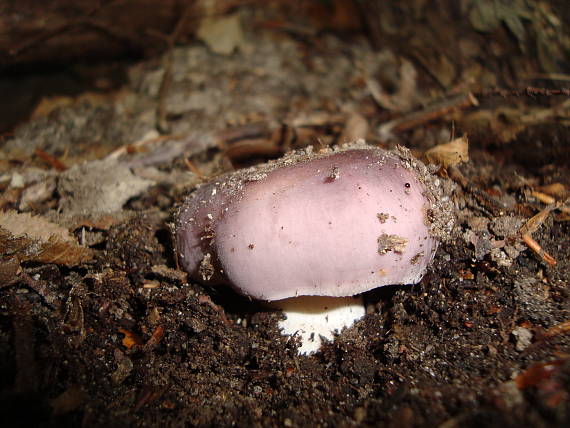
x: 449, y: 154
x: 34, y: 227
x: 33, y: 238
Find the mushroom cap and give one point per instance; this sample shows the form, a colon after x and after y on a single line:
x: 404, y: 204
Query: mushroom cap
x: 336, y: 224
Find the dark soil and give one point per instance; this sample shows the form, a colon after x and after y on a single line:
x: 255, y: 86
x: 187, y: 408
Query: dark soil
x: 127, y: 340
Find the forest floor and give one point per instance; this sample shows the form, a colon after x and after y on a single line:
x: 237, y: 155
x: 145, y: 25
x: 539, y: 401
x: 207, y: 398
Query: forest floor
x: 98, y: 326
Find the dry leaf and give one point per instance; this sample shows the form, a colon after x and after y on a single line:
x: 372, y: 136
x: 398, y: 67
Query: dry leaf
x: 32, y: 238
x: 222, y: 34
x: 34, y: 227
x: 449, y: 154
x: 98, y: 187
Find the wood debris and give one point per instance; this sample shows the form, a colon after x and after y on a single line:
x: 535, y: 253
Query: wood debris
x: 532, y: 226
x: 428, y: 114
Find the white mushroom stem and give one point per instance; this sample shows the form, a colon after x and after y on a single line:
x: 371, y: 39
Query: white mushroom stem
x: 312, y: 318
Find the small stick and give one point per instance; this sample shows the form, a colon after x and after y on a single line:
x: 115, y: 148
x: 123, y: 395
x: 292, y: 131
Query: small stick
x: 543, y: 197
x: 190, y: 165
x: 535, y: 246
x: 487, y: 200
x: 529, y: 91
x: 547, y: 199
x: 430, y: 113
x: 155, y: 339
x: 549, y: 76
x: 52, y: 161
x: 537, y: 220
x: 134, y: 147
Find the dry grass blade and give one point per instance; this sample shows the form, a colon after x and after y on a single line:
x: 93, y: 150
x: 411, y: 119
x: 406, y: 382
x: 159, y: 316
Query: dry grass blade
x: 537, y: 220
x: 532, y: 226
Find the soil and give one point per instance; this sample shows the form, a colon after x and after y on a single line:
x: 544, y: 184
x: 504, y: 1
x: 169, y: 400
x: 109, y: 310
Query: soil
x: 125, y: 339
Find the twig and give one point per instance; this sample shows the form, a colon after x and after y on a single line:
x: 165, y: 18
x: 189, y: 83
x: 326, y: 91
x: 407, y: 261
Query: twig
x: 543, y: 197
x: 529, y: 91
x: 487, y: 200
x: 137, y: 145
x: 430, y: 113
x: 537, y: 220
x: 531, y: 226
x: 49, y: 159
x: 190, y: 165
x: 155, y: 339
x: 44, y: 37
x: 85, y: 21
x: 206, y: 300
x: 549, y: 76
x: 535, y: 246
x: 547, y: 199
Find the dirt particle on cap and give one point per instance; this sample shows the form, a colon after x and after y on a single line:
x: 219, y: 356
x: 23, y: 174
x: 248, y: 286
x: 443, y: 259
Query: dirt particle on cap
x: 382, y: 217
x: 414, y: 260
x: 334, y: 174
x: 206, y: 268
x: 395, y: 243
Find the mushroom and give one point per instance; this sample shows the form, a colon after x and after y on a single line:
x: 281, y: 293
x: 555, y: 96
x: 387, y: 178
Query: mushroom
x: 327, y: 226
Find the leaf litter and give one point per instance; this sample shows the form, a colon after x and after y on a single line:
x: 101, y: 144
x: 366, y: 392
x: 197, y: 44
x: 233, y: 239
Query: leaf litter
x: 119, y: 333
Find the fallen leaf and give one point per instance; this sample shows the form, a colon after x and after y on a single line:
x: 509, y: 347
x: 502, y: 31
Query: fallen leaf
x: 222, y: 34
x: 8, y: 271
x: 34, y: 227
x: 449, y: 154
x: 33, y: 238
x: 98, y: 187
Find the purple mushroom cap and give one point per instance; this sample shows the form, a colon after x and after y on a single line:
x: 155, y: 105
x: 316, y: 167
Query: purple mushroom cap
x: 329, y: 224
